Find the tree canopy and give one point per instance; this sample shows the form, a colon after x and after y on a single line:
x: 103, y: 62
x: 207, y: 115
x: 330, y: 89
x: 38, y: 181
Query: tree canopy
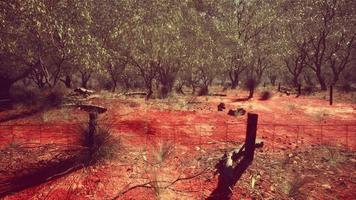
x: 163, y: 43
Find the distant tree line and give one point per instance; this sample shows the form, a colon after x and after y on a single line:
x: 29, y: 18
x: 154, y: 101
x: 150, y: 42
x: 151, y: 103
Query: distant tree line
x: 167, y: 45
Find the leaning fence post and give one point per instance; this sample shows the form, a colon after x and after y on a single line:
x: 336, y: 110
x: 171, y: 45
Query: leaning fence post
x: 331, y: 95
x: 251, y: 135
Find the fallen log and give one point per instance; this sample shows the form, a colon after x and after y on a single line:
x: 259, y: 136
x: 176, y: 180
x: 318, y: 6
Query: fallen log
x: 218, y: 95
x: 135, y: 93
x: 92, y: 108
x: 83, y: 91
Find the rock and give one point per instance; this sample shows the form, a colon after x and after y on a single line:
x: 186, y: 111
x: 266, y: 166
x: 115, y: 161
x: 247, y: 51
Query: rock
x: 259, y: 143
x: 231, y: 112
x: 221, y: 107
x: 326, y: 186
x: 241, y: 111
x: 238, y: 112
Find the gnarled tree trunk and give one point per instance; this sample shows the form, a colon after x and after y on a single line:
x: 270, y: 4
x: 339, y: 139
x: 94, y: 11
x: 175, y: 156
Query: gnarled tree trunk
x: 5, y: 85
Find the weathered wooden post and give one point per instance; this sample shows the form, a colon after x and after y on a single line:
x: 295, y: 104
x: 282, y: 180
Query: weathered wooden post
x: 331, y: 95
x: 250, y: 136
x: 231, y: 167
x: 93, y: 111
x: 93, y: 117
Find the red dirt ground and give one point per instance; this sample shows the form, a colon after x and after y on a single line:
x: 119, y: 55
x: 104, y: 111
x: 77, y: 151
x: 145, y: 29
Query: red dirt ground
x: 192, y: 132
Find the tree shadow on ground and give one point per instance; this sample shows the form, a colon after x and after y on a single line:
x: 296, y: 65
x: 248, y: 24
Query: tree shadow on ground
x: 21, y: 115
x: 241, y: 99
x: 37, y: 176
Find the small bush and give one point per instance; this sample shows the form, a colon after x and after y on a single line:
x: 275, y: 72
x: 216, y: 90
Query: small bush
x: 308, y: 90
x: 203, y: 91
x: 291, y: 107
x: 250, y: 84
x: 346, y: 87
x: 163, y: 151
x: 296, y: 185
x: 265, y: 95
x: 105, y: 145
x: 25, y: 96
x: 55, y: 97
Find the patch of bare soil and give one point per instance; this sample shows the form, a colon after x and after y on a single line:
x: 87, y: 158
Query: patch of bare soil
x: 169, y: 149
x: 320, y: 172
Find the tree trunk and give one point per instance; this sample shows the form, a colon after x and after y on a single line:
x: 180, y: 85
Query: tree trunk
x: 5, y: 86
x: 295, y: 81
x: 234, y: 77
x: 193, y: 89
x: 85, y: 79
x: 68, y: 81
x: 114, y: 85
x: 164, y: 91
x: 335, y: 79
x: 234, y: 84
x: 252, y: 90
x: 321, y: 81
x: 204, y: 90
x: 149, y: 93
x: 85, y: 84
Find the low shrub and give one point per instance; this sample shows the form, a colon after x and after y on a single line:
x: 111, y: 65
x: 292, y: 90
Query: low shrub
x: 55, y: 97
x: 308, y: 90
x: 25, y: 96
x: 203, y: 91
x: 265, y: 95
x: 346, y: 87
x: 105, y: 145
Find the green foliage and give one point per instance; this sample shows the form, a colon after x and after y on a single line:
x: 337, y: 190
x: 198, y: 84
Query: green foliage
x: 163, y: 42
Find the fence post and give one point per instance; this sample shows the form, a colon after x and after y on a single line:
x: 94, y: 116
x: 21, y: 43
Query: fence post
x: 226, y: 136
x: 298, y: 127
x: 174, y: 134
x: 40, y: 134
x: 273, y: 137
x: 331, y: 95
x: 347, y: 136
x: 321, y: 134
x: 93, y: 117
x: 251, y: 135
x: 12, y: 134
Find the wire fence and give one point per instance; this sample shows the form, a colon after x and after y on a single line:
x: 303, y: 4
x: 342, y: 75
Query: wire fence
x: 275, y: 136
x: 191, y: 143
